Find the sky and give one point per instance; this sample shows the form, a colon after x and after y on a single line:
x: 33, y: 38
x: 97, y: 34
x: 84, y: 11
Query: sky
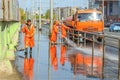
x: 57, y: 3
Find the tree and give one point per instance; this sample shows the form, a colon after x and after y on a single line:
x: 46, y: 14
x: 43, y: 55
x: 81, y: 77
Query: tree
x: 37, y: 16
x: 47, y: 15
x: 43, y: 16
x: 23, y: 14
x: 54, y: 16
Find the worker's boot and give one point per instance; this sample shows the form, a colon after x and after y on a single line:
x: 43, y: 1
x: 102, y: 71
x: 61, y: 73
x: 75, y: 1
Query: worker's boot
x: 26, y: 52
x: 30, y: 52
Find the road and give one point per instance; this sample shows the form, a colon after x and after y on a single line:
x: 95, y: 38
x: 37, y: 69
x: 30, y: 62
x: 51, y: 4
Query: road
x: 115, y: 37
x: 116, y: 34
x: 66, y: 63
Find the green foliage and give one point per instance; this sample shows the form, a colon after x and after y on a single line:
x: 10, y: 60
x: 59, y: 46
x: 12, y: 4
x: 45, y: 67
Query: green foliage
x: 37, y: 16
x: 47, y: 15
x: 42, y: 16
x: 23, y: 14
x: 54, y: 16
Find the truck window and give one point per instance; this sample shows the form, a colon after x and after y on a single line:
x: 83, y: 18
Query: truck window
x: 90, y: 16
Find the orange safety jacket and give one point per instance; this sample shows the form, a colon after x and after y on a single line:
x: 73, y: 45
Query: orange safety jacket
x: 54, y: 33
x: 64, y: 31
x: 29, y: 36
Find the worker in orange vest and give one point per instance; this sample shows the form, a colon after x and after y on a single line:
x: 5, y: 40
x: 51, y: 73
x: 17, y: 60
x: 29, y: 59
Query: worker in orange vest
x: 55, y: 32
x: 29, y: 32
x: 64, y: 31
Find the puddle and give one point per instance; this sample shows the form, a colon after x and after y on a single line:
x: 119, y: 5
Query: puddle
x: 66, y: 63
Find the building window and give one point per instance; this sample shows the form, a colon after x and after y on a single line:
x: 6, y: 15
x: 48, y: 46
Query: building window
x: 111, y: 7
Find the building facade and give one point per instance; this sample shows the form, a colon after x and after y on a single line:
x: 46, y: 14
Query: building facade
x: 111, y: 9
x: 9, y: 10
x: 9, y: 33
x: 64, y: 12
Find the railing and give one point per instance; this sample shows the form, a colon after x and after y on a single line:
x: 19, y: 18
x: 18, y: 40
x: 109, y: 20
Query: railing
x: 75, y: 35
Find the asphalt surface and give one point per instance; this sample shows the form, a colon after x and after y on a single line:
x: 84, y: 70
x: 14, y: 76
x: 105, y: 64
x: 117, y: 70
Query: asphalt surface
x: 115, y: 37
x: 46, y: 69
x: 116, y: 34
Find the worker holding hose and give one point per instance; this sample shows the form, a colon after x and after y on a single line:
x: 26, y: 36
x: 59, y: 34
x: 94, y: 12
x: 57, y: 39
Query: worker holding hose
x: 64, y: 31
x: 55, y: 31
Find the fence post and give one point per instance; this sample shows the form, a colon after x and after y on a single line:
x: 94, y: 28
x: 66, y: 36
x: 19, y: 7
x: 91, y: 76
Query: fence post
x: 93, y: 44
x: 84, y: 39
x: 73, y: 35
x: 119, y: 61
x: 103, y: 56
x: 78, y: 41
x: 68, y: 35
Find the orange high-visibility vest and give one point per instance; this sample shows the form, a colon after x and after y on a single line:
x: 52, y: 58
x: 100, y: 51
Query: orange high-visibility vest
x: 29, y: 36
x: 54, y: 33
x: 64, y: 31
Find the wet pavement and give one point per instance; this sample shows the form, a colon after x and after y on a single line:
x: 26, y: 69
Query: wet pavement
x: 62, y: 62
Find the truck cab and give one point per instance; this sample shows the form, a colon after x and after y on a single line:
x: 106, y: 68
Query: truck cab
x: 89, y: 20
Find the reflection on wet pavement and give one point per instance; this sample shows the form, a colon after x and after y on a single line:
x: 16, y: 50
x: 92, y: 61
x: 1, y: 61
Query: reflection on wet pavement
x: 66, y: 63
x: 63, y: 57
x: 82, y: 64
x: 54, y: 58
x: 29, y: 69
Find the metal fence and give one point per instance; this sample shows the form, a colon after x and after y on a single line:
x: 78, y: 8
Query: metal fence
x: 110, y: 51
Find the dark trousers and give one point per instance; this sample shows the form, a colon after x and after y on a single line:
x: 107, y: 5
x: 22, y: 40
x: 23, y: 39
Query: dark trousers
x: 26, y: 52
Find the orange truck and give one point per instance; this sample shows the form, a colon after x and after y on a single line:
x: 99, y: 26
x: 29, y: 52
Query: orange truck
x: 86, y: 20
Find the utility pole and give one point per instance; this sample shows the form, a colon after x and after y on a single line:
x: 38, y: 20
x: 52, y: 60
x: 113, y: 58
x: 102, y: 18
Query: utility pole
x: 103, y: 8
x: 34, y: 12
x: 59, y: 11
x: 40, y: 16
x: 26, y: 14
x: 50, y: 31
x: 51, y: 15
